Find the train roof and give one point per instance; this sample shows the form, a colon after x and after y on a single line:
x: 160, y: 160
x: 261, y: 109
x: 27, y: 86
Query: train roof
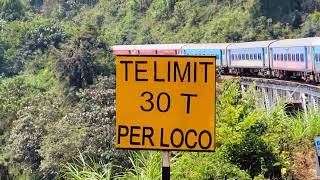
x: 206, y: 46
x: 253, y: 44
x: 296, y: 42
x: 312, y: 41
x: 148, y: 47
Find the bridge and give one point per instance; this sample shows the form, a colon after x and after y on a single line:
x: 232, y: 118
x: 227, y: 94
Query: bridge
x: 301, y: 95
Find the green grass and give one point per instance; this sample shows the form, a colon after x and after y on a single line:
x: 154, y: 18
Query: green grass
x: 145, y: 165
x: 84, y: 170
x: 305, y: 126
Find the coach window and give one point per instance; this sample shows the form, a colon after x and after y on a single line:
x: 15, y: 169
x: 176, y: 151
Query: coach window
x: 255, y: 56
x: 301, y: 58
x: 285, y: 57
x: 243, y: 56
x: 281, y: 56
x: 289, y: 57
x: 297, y: 57
x: 259, y: 56
x: 293, y: 57
x: 251, y: 56
x: 278, y: 57
x: 247, y: 56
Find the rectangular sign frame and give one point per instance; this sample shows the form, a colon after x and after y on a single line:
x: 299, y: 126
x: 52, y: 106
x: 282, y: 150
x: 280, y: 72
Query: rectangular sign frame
x: 129, y: 65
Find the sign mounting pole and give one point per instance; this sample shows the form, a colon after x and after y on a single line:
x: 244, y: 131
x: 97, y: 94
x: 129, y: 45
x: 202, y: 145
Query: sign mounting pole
x: 165, y: 165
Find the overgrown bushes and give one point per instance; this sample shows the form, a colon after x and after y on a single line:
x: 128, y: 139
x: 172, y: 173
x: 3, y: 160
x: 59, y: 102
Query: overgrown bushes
x: 251, y: 144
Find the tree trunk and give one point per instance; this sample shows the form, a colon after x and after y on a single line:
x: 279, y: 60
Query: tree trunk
x: 170, y: 6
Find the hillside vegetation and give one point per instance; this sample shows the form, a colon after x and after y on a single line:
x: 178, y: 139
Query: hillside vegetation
x: 57, y: 87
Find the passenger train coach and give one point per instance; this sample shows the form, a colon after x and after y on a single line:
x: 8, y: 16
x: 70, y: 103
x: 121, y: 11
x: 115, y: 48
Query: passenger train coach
x: 289, y: 58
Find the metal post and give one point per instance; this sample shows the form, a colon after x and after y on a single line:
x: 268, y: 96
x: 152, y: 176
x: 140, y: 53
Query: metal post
x: 304, y: 103
x: 165, y: 165
x: 266, y: 98
x: 277, y: 99
x: 313, y: 102
x: 243, y: 89
x: 271, y: 98
x: 289, y: 96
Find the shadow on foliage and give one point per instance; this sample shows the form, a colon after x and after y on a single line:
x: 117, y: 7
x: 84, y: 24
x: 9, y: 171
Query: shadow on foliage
x: 255, y: 156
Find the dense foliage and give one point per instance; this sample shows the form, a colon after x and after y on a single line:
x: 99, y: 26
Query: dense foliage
x: 251, y: 144
x: 57, y: 91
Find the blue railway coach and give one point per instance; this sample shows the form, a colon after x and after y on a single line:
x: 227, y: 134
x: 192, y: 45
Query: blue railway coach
x: 249, y: 57
x: 316, y: 58
x: 292, y: 58
x: 316, y: 55
x: 218, y: 49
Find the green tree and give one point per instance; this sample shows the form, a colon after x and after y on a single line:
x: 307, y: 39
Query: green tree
x: 311, y: 26
x: 80, y: 62
x: 28, y: 132
x: 12, y: 9
x: 71, y: 8
x: 89, y: 129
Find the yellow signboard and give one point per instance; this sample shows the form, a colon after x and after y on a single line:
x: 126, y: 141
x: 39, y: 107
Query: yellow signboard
x: 165, y: 102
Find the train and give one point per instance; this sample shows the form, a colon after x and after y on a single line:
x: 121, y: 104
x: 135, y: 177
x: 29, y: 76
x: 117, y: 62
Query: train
x: 283, y: 59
